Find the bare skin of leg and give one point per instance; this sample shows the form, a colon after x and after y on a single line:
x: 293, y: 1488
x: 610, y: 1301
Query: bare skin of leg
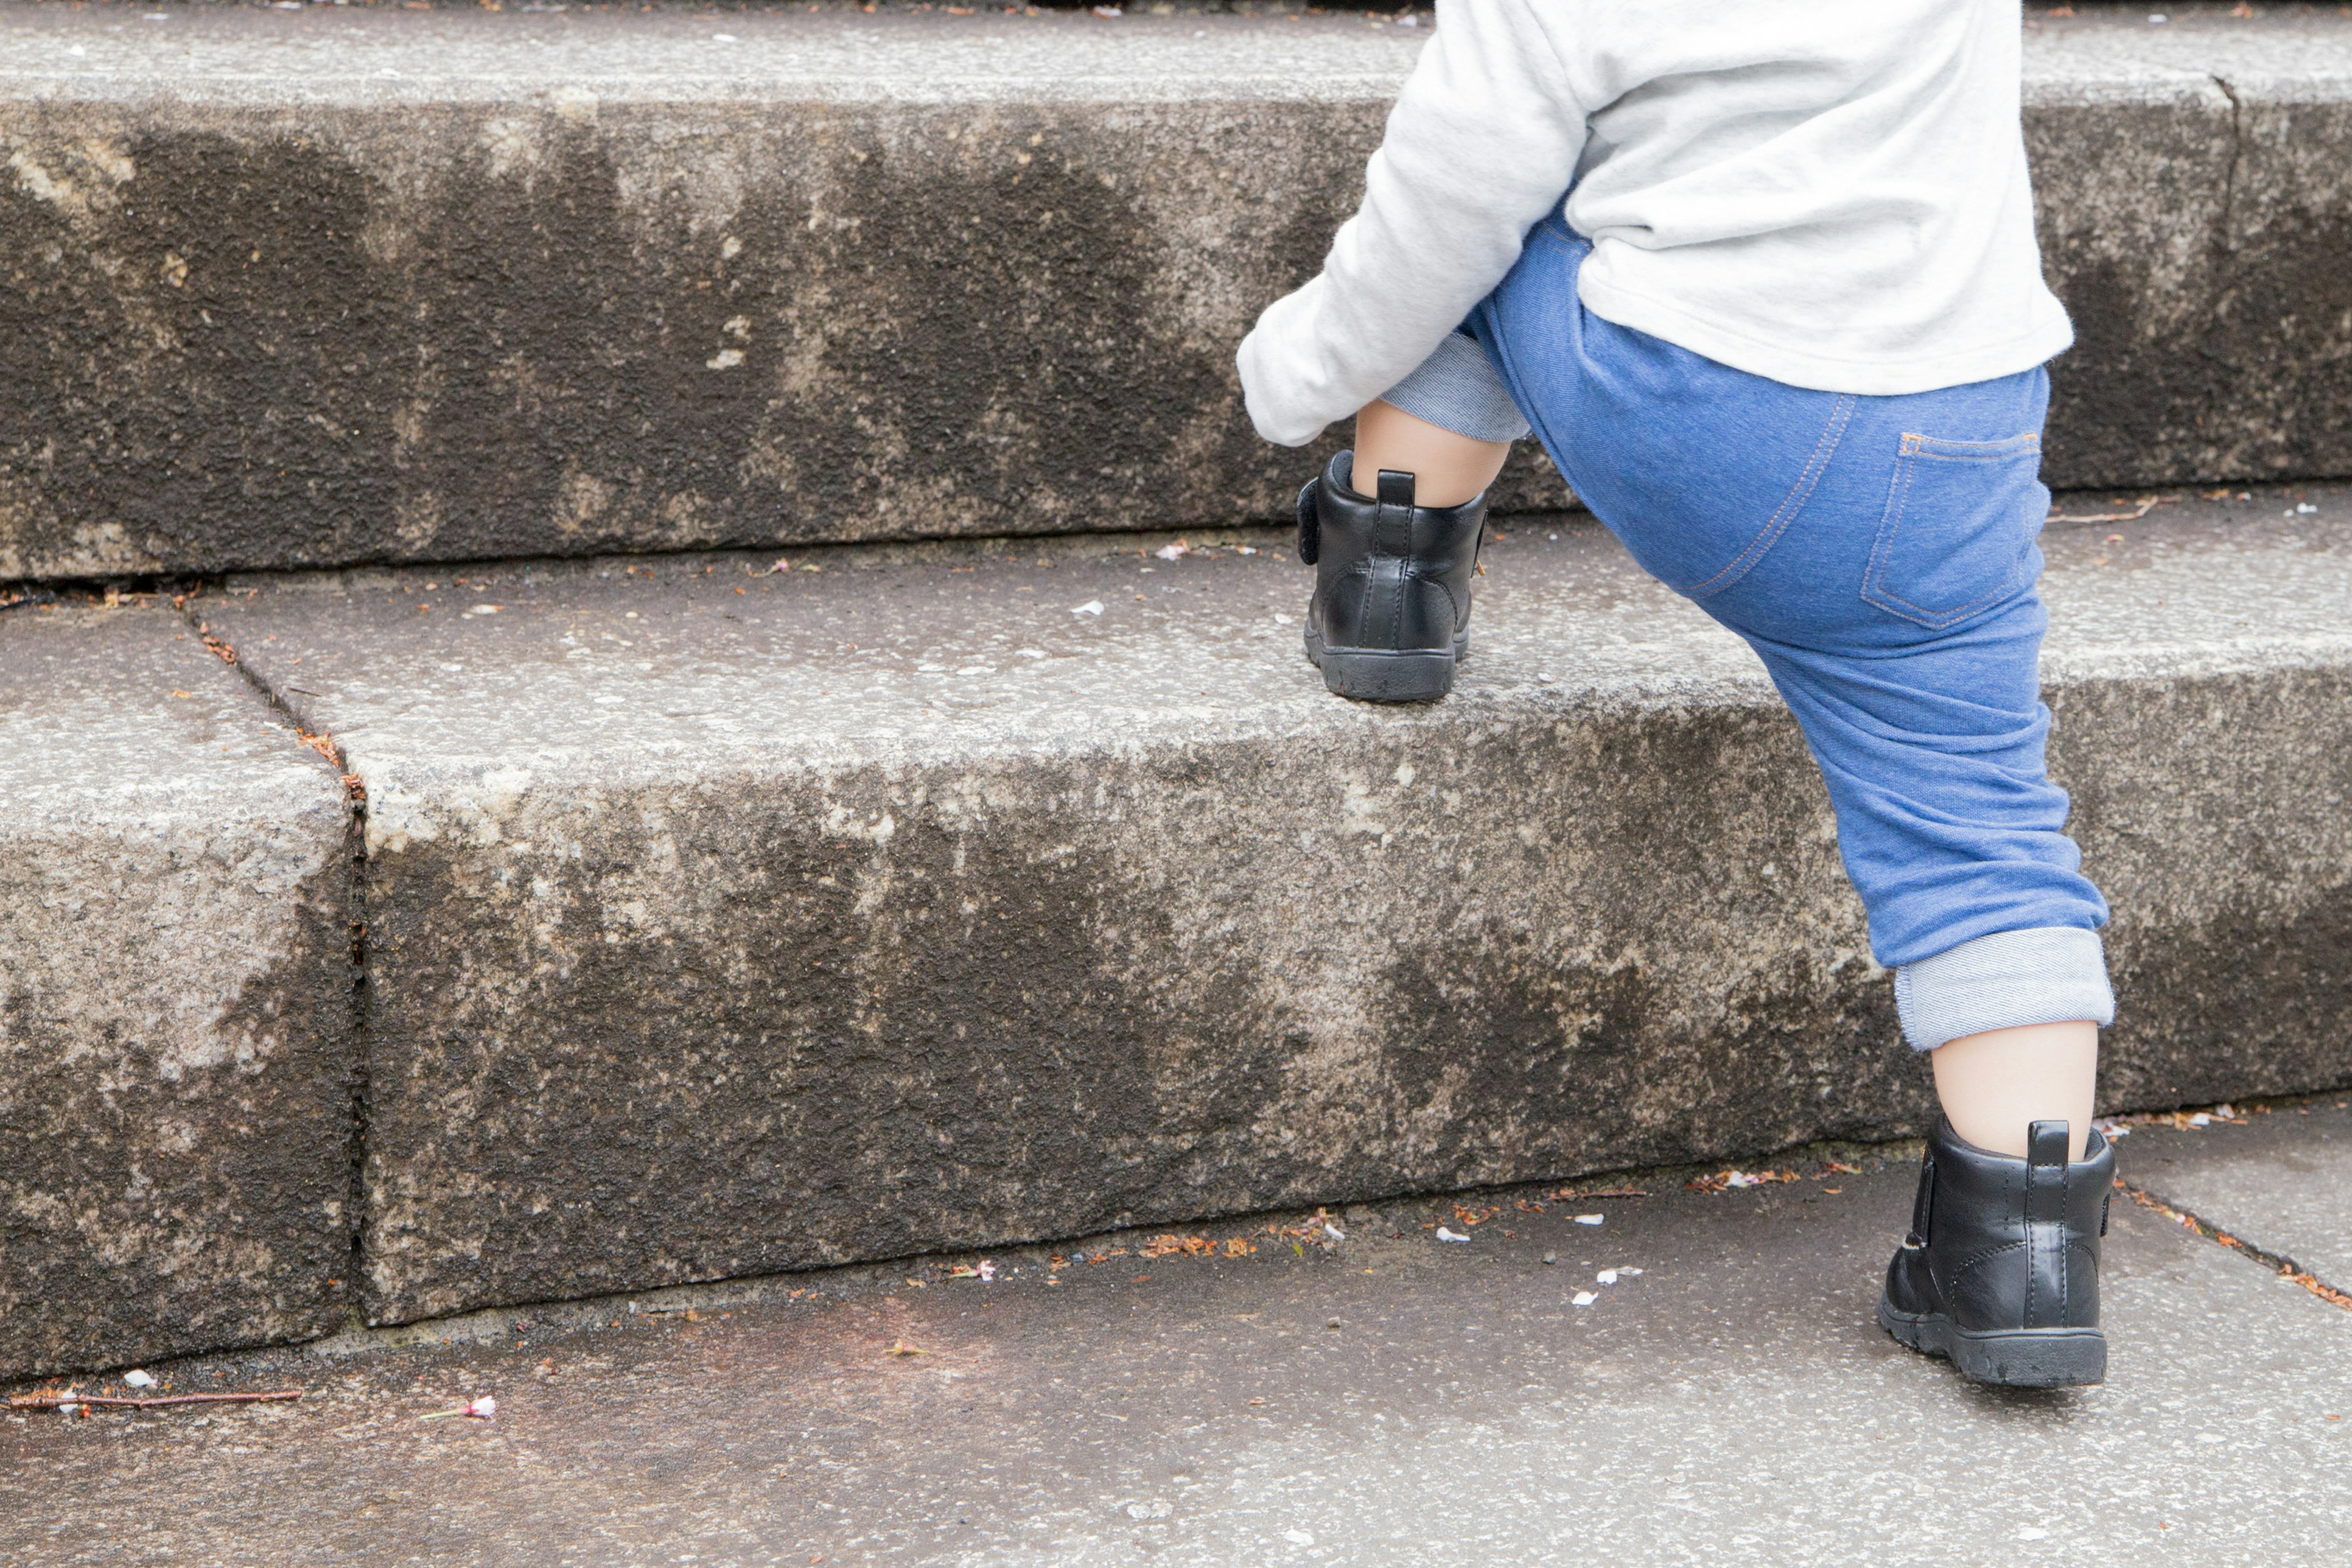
x: 1995, y: 1084
x: 1447, y: 468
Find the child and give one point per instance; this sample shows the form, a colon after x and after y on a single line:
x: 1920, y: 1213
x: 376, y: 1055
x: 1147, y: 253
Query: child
x: 1761, y: 275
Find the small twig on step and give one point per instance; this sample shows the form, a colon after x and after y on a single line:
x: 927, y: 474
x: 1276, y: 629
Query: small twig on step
x: 69, y: 1400
x: 2145, y: 507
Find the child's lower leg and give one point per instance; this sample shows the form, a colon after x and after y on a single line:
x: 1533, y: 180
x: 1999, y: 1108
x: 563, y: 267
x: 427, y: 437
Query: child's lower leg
x: 1447, y: 468
x: 1993, y: 1085
x: 1997, y: 1084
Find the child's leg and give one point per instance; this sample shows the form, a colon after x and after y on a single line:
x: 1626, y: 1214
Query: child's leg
x: 1450, y: 425
x: 1995, y: 1085
x: 1928, y: 724
x: 1447, y: 468
x: 1877, y: 554
x: 1932, y: 747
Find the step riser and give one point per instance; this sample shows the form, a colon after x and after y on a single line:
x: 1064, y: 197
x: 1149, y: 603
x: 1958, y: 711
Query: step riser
x: 2197, y: 245
x: 717, y: 924
x: 481, y: 330
x: 2227, y: 949
x: 1054, y: 1000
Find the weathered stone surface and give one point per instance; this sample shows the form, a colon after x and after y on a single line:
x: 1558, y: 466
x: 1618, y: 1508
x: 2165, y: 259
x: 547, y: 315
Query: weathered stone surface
x: 2204, y: 742
x: 176, y: 1029
x: 2195, y: 201
x: 2275, y: 1179
x: 321, y: 288
x: 1388, y: 1399
x: 904, y: 904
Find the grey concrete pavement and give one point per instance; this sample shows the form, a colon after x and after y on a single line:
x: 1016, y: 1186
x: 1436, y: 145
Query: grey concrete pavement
x: 2280, y: 1179
x: 177, y: 1045
x: 1389, y: 1398
x: 326, y: 286
x: 924, y: 897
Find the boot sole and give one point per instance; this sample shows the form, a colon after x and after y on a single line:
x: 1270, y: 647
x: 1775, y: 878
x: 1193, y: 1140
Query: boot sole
x: 1387, y: 675
x: 2014, y: 1358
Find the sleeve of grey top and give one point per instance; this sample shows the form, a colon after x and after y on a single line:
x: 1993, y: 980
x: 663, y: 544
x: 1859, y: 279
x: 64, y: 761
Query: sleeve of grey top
x: 1482, y: 143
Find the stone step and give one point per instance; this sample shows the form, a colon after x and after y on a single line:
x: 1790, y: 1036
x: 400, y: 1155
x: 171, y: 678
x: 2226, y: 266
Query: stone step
x: 727, y: 914
x: 929, y: 896
x: 178, y: 1050
x: 332, y: 286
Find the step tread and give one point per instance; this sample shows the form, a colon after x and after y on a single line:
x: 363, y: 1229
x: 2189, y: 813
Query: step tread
x: 633, y: 670
x: 255, y: 55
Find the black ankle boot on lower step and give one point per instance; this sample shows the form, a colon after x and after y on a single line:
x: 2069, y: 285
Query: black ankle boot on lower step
x: 1390, y: 613
x: 2001, y: 1271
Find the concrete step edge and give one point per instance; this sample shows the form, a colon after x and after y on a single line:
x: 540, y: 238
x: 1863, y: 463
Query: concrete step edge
x: 848, y: 279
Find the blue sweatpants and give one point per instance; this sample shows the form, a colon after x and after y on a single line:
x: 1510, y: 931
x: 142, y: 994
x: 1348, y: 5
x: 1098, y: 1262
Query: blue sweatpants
x: 1878, y: 554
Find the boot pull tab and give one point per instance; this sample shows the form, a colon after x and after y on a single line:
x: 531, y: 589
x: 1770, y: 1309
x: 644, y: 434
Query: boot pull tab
x: 1396, y: 487
x: 2046, y: 1146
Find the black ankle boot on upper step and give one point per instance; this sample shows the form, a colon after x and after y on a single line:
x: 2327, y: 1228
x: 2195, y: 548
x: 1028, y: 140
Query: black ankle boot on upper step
x: 1391, y: 613
x: 2001, y: 1271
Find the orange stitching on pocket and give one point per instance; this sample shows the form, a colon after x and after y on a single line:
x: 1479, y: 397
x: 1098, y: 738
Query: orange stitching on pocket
x: 1938, y: 447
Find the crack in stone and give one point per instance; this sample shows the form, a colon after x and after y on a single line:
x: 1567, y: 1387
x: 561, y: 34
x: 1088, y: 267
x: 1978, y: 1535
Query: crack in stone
x: 2278, y: 1263
x: 2237, y: 157
x: 355, y: 794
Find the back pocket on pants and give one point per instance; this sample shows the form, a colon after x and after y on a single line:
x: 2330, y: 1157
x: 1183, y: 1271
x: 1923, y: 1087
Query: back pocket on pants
x: 1957, y: 537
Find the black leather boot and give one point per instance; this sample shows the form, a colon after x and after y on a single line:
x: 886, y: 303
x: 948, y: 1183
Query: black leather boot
x: 2001, y: 1271
x: 1390, y: 613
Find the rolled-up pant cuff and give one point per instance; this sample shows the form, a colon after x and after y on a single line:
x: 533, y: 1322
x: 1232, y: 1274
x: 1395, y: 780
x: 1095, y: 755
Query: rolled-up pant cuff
x: 1457, y: 388
x: 2052, y: 975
